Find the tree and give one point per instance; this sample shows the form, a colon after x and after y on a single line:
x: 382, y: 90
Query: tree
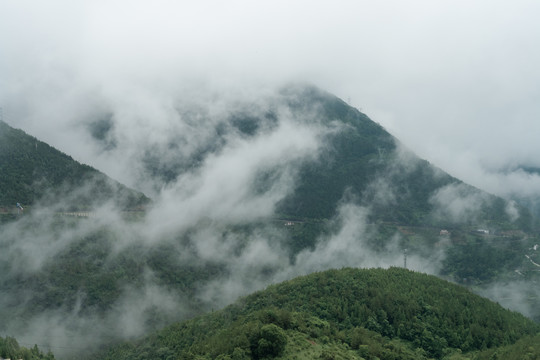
x: 269, y: 342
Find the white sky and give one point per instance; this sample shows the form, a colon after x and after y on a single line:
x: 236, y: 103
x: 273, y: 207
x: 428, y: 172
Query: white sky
x: 456, y: 81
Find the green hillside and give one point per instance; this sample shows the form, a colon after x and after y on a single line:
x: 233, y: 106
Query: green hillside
x: 32, y: 171
x: 365, y: 160
x: 89, y: 276
x: 341, y: 314
x: 527, y: 348
x: 357, y: 155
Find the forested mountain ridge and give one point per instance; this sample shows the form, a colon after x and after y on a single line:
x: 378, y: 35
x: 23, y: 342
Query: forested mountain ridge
x: 357, y: 198
x: 358, y: 160
x: 32, y: 171
x: 374, y: 166
x: 354, y: 313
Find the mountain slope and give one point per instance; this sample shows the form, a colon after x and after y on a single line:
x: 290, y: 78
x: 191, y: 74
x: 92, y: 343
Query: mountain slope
x: 32, y: 171
x: 526, y: 348
x: 358, y: 160
x: 359, y: 200
x: 358, y: 157
x: 342, y: 312
x: 365, y: 160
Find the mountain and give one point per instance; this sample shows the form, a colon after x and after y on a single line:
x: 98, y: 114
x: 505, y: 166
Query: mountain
x: 362, y: 159
x: 358, y: 161
x: 369, y: 162
x: 31, y: 171
x: 357, y: 199
x: 348, y: 313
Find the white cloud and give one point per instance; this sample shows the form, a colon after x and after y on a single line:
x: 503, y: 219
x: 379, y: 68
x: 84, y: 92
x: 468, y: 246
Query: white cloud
x: 457, y: 203
x: 456, y: 82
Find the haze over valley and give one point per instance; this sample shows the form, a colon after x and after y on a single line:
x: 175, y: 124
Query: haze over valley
x: 170, y: 160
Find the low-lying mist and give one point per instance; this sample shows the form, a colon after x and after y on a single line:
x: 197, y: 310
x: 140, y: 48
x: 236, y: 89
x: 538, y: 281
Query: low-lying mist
x: 211, y: 233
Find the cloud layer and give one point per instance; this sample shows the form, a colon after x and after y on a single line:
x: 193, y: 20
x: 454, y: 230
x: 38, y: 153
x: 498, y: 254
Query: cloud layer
x: 456, y: 82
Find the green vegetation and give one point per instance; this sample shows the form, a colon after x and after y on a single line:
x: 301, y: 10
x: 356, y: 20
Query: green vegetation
x: 32, y: 171
x: 366, y: 162
x: 480, y: 260
x: 332, y: 315
x: 10, y: 349
x: 527, y: 348
x: 348, y: 313
x: 89, y: 274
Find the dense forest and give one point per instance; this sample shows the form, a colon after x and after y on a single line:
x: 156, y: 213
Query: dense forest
x: 95, y: 268
x: 348, y: 313
x: 31, y: 171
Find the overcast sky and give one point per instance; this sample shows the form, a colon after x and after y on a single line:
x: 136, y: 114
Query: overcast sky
x: 456, y: 81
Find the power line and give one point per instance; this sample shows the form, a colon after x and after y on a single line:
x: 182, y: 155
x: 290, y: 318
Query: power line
x: 49, y: 347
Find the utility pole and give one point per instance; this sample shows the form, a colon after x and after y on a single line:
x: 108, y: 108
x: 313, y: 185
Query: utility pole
x: 1, y: 114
